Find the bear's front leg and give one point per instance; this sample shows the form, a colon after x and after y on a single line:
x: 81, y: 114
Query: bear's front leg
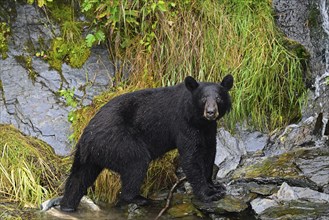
x: 209, y: 160
x: 193, y: 164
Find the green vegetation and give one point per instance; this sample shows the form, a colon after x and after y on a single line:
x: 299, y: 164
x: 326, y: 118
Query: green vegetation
x: 162, y: 42
x: 40, y: 3
x: 30, y: 172
x: 166, y: 41
x: 205, y: 39
x: 4, y: 33
x: 70, y: 46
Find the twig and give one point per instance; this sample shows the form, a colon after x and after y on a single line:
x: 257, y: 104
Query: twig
x: 169, y: 197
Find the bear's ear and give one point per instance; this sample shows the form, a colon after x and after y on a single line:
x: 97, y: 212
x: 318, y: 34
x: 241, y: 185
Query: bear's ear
x: 190, y: 83
x: 227, y: 82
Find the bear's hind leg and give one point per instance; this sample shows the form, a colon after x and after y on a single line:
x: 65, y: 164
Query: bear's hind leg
x: 132, y: 178
x: 77, y: 184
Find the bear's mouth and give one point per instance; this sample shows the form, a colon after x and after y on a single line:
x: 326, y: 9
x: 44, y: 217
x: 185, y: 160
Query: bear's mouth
x: 211, y: 116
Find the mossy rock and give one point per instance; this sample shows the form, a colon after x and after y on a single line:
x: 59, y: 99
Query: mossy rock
x: 228, y: 204
x: 297, y: 210
x: 73, y: 53
x: 4, y: 34
x: 184, y: 209
x: 277, y: 166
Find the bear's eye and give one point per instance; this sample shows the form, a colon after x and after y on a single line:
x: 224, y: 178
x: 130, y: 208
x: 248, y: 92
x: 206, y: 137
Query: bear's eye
x: 204, y: 99
x: 218, y: 99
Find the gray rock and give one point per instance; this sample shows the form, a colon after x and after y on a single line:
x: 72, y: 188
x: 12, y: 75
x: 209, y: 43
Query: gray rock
x: 313, y: 130
x: 292, y: 203
x: 288, y: 193
x: 259, y: 205
x: 314, y: 164
x: 229, y: 152
x: 254, y: 141
x: 33, y: 105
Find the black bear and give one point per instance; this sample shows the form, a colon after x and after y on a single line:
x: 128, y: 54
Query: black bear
x: 133, y: 129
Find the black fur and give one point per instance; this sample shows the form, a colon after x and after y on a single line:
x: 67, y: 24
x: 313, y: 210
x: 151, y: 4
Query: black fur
x: 135, y: 128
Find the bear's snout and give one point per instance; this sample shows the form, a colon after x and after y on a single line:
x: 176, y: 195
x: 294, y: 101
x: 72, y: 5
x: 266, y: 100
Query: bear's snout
x: 211, y: 110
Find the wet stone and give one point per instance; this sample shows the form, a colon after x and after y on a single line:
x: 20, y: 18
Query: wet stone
x: 315, y: 165
x: 183, y: 209
x: 262, y: 189
x: 228, y: 204
x: 229, y: 152
x: 292, y: 203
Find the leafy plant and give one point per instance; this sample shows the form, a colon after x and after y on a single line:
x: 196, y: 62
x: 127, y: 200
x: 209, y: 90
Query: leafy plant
x: 73, y: 53
x: 4, y: 33
x: 126, y: 21
x: 68, y: 95
x: 40, y: 3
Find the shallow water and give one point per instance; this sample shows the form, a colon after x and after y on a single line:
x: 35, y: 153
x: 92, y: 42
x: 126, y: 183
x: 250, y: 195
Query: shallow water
x: 112, y: 213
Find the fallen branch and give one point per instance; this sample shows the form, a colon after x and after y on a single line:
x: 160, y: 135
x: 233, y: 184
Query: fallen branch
x: 169, y: 197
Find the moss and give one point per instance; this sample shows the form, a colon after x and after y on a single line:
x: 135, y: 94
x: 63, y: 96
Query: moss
x: 277, y: 166
x: 297, y: 210
x: 4, y: 34
x: 313, y: 16
x: 60, y: 10
x: 26, y: 62
x: 184, y: 209
x: 73, y: 53
x: 30, y: 172
x: 79, y: 53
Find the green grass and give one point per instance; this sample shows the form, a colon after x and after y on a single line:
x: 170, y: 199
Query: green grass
x: 163, y: 42
x: 205, y: 39
x: 209, y: 39
x: 30, y: 172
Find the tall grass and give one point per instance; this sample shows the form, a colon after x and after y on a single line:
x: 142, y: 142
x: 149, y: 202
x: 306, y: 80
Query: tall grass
x: 209, y: 39
x: 206, y: 39
x: 30, y: 172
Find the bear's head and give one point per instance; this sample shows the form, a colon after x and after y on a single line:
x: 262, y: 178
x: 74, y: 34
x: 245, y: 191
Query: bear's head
x: 210, y: 100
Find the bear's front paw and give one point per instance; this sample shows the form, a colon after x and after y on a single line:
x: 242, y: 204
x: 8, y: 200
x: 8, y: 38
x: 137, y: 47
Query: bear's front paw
x: 209, y: 194
x: 218, y: 187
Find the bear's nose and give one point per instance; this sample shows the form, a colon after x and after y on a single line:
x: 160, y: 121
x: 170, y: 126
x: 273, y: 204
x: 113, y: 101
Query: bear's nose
x: 210, y: 113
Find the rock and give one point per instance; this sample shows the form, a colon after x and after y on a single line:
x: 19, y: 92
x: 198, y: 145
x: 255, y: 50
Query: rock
x: 279, y: 169
x: 135, y: 211
x: 254, y: 141
x: 293, y: 203
x: 183, y: 209
x: 228, y: 204
x: 288, y: 193
x: 229, y: 152
x: 32, y: 105
x: 259, y: 205
x: 292, y: 17
x: 261, y: 189
x: 314, y: 164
